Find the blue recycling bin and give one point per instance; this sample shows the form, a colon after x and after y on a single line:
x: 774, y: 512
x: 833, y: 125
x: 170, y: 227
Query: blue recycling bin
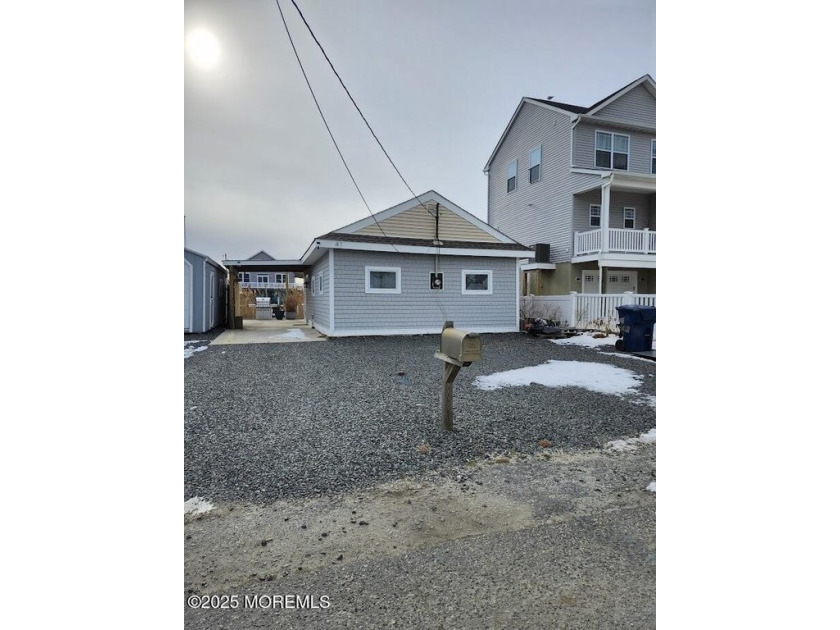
x: 635, y: 327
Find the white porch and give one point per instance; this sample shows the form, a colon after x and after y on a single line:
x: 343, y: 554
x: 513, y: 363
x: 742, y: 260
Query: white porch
x: 623, y: 232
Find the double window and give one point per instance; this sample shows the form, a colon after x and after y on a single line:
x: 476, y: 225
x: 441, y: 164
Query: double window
x: 612, y: 150
x: 244, y: 276
x: 280, y: 278
x: 534, y: 165
x: 262, y: 277
x: 383, y: 280
x: 595, y: 215
x: 476, y: 282
x: 511, y: 176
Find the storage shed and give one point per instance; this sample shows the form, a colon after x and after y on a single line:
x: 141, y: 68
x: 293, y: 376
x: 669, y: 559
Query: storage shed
x: 204, y: 292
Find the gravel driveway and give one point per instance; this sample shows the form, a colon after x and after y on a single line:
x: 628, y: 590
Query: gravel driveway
x: 266, y: 421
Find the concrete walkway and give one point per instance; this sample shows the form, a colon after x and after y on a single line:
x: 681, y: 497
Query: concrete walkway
x: 269, y: 331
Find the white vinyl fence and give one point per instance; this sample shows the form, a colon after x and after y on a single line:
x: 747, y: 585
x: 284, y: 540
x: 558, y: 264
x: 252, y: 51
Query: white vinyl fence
x: 582, y: 310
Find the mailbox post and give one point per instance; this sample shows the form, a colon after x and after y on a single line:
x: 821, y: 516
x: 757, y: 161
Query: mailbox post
x: 458, y: 348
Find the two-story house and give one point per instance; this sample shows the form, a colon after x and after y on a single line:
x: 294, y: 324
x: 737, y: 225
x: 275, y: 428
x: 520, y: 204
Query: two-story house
x: 579, y: 184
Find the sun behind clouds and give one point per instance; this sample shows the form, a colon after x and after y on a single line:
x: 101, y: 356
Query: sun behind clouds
x: 202, y: 48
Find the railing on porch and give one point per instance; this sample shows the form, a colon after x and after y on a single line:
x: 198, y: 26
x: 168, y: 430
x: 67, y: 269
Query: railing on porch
x: 582, y: 310
x: 620, y: 240
x: 264, y: 285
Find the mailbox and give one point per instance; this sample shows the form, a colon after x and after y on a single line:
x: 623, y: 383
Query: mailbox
x: 460, y: 345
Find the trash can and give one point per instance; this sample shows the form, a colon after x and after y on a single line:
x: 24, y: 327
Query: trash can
x: 635, y: 327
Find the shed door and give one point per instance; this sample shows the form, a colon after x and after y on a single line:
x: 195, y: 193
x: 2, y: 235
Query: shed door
x: 212, y: 299
x: 187, y: 296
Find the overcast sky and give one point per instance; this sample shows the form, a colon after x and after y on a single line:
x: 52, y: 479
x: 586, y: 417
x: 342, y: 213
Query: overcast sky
x: 438, y: 81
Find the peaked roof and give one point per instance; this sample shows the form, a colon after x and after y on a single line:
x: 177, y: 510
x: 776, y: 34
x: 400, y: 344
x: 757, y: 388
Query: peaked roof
x: 421, y: 242
x: 262, y: 255
x: 426, y: 197
x: 566, y: 108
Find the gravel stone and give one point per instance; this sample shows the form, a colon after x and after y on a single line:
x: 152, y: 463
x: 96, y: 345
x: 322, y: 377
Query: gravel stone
x: 270, y: 421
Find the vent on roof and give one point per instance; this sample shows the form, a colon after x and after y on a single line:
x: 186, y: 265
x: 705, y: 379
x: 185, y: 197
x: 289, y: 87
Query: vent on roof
x: 543, y: 252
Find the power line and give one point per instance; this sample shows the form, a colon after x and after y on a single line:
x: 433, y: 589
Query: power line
x: 327, y: 125
x: 335, y: 143
x: 352, y: 100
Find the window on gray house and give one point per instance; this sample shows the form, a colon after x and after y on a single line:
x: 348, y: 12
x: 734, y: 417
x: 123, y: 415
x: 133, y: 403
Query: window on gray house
x: 595, y: 215
x: 280, y: 278
x: 653, y: 157
x: 534, y: 165
x: 630, y: 218
x: 511, y: 176
x: 262, y: 277
x: 476, y: 282
x: 612, y: 150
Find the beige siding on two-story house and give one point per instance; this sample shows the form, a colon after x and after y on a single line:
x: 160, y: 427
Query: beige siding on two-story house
x: 637, y: 106
x: 538, y: 212
x: 418, y: 222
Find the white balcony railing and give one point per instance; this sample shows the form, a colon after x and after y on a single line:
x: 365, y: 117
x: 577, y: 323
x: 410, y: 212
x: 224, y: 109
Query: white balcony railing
x: 265, y: 285
x: 620, y: 240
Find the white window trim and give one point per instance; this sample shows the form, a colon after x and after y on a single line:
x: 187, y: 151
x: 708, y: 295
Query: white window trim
x: 319, y: 279
x: 262, y: 275
x: 624, y: 218
x: 488, y: 291
x: 612, y: 150
x: 397, y: 270
x: 515, y: 175
x: 530, y: 166
x: 652, y: 156
x: 600, y: 216
x: 283, y: 275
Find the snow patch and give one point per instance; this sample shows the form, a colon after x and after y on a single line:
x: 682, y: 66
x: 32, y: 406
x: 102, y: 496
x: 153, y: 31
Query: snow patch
x: 587, y: 341
x: 197, y: 505
x: 631, y: 444
x: 625, y: 356
x: 651, y: 486
x: 596, y: 377
x: 188, y: 352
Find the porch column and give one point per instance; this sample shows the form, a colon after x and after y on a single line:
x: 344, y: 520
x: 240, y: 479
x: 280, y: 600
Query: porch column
x: 605, y: 218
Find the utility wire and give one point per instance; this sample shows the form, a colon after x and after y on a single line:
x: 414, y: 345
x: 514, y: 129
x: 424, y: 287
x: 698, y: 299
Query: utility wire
x: 332, y: 137
x: 352, y: 100
x: 326, y: 124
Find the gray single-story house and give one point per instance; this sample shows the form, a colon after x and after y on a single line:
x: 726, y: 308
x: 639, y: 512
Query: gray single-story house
x: 408, y: 269
x: 204, y: 292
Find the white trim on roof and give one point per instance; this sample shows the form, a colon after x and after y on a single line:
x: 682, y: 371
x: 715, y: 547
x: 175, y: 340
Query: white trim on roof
x: 424, y: 249
x: 512, y: 118
x: 651, y: 87
x: 423, y: 199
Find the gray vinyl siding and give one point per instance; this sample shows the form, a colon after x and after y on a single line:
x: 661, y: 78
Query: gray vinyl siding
x: 417, y: 306
x: 548, y: 218
x: 618, y: 201
x: 584, y: 139
x: 318, y: 304
x: 637, y: 106
x: 201, y: 274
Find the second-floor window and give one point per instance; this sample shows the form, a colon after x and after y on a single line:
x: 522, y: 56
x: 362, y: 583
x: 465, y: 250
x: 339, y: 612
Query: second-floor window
x: 653, y: 157
x: 612, y: 150
x: 280, y: 278
x: 534, y: 165
x: 630, y: 218
x: 244, y: 277
x: 594, y: 215
x: 262, y: 277
x: 511, y: 176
